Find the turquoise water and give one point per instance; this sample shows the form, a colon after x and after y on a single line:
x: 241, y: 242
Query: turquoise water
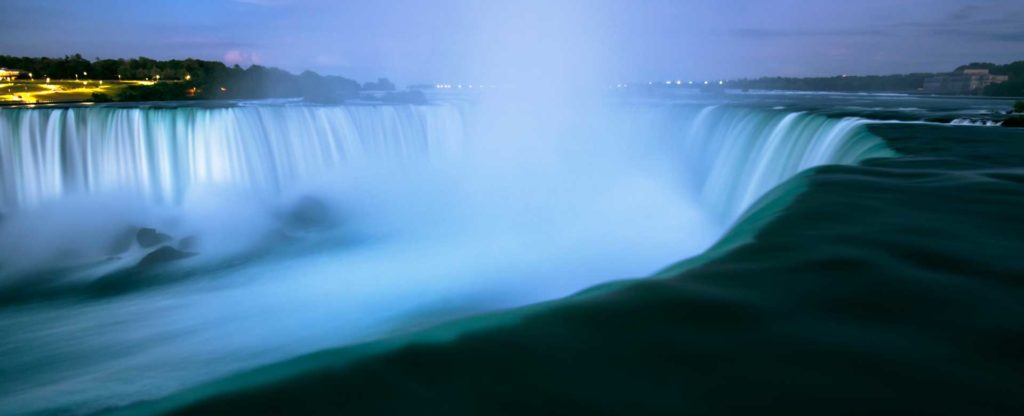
x: 830, y: 288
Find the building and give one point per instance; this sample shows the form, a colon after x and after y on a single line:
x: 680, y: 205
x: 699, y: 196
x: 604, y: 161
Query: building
x: 965, y: 81
x: 9, y: 74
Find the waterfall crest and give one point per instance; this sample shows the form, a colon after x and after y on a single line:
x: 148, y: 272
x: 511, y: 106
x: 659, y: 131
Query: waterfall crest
x: 734, y: 155
x: 161, y: 154
x: 731, y: 155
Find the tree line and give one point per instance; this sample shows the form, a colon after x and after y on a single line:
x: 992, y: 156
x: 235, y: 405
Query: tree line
x: 1014, y: 87
x: 194, y: 79
x: 870, y: 83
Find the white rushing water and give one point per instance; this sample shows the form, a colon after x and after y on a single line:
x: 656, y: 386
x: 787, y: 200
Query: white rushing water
x: 422, y: 214
x: 162, y: 154
x: 975, y: 122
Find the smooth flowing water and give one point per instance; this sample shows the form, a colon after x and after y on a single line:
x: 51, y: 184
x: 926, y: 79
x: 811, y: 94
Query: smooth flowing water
x: 307, y: 227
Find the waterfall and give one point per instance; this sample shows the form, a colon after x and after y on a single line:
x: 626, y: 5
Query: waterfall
x: 227, y: 173
x: 462, y: 210
x: 734, y: 155
x: 161, y: 154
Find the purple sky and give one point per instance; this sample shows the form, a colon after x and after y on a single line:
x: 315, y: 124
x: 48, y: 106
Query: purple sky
x: 486, y: 41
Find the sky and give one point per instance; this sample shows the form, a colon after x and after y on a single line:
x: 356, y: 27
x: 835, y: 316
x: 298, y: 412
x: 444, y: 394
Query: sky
x: 421, y: 41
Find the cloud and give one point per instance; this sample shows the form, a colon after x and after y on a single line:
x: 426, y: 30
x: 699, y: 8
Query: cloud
x: 976, y: 23
x: 797, y: 33
x: 1012, y: 35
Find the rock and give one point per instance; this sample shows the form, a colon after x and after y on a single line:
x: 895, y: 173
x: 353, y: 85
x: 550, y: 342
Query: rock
x: 164, y: 254
x: 121, y: 241
x: 1014, y: 122
x: 148, y: 237
x: 309, y: 213
x: 188, y: 243
x: 944, y: 120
